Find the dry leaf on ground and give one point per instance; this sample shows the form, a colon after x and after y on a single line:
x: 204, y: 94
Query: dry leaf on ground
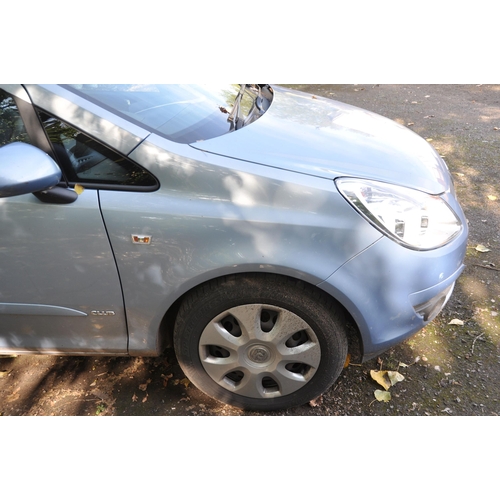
x: 316, y: 402
x: 166, y: 378
x: 482, y: 249
x: 395, y: 377
x: 386, y: 378
x: 380, y: 378
x: 143, y: 387
x: 347, y: 360
x: 382, y: 395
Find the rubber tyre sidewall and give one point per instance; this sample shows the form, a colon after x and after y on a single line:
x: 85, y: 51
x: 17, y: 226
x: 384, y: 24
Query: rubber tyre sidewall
x: 202, y: 306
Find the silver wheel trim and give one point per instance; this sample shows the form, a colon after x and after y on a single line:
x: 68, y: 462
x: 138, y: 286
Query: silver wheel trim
x: 267, y: 359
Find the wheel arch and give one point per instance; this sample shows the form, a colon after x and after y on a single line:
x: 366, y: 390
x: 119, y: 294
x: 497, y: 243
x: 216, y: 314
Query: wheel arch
x: 167, y: 324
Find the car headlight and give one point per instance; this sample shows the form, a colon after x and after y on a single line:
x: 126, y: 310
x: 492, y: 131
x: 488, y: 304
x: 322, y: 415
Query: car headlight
x: 412, y: 218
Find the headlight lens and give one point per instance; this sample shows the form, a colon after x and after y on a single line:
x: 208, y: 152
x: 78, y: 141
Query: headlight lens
x: 412, y: 218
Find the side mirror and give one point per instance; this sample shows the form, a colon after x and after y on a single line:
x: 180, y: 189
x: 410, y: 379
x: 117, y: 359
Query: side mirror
x: 26, y: 169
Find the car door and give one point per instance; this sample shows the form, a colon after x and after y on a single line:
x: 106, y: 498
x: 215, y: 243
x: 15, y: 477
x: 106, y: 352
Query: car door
x: 59, y: 285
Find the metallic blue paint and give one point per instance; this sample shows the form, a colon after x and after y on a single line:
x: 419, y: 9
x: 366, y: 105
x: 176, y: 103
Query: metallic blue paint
x: 260, y: 199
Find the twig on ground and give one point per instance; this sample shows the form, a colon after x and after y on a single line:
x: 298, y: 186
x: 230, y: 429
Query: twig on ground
x: 476, y: 338
x: 487, y: 267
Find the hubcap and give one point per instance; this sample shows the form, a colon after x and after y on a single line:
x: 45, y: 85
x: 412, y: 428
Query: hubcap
x: 259, y: 354
x: 259, y: 351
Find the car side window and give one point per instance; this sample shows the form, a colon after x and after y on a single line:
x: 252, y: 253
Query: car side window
x: 11, y: 124
x: 87, y: 162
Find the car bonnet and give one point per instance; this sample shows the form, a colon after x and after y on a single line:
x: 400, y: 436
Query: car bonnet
x: 326, y: 138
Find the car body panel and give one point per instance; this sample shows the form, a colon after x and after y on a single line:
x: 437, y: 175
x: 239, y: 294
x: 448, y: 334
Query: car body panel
x: 99, y: 275
x: 16, y: 90
x: 214, y: 219
x: 57, y: 272
x: 328, y: 138
x: 394, y: 280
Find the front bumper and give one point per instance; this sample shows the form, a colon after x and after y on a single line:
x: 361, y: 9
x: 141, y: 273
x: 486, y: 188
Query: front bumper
x: 392, y: 292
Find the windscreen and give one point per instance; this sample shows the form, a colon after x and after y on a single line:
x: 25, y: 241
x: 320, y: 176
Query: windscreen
x: 181, y: 113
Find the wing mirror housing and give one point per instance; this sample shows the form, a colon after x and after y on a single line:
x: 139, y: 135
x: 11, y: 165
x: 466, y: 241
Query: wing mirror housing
x: 26, y: 169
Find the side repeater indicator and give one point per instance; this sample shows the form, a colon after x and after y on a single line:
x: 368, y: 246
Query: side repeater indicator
x: 141, y: 239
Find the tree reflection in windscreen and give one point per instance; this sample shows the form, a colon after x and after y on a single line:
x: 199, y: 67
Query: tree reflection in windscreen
x: 181, y: 113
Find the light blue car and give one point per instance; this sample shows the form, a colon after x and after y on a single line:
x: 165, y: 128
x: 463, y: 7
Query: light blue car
x: 262, y: 232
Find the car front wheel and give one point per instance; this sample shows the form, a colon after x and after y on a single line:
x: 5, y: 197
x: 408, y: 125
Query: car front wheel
x: 260, y: 342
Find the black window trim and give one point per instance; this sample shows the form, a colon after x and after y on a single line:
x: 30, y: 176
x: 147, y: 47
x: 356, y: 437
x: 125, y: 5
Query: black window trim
x: 33, y: 126
x: 93, y: 185
x: 40, y: 139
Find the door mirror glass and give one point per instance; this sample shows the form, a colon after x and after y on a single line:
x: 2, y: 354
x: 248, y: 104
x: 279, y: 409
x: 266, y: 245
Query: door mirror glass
x: 26, y: 169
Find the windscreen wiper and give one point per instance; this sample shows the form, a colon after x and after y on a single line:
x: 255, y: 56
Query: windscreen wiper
x: 234, y: 117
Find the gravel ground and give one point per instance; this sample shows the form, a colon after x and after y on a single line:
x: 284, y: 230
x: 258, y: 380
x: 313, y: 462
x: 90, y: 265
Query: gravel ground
x: 447, y: 369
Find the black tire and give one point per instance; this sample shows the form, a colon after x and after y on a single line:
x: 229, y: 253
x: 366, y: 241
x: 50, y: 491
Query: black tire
x: 260, y: 342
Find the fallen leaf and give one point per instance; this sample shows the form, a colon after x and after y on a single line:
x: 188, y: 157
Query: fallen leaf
x: 491, y: 197
x: 134, y: 398
x: 79, y: 189
x: 395, y: 377
x: 347, y: 360
x: 13, y: 397
x: 457, y: 322
x: 143, y: 387
x: 382, y: 396
x: 380, y: 378
x: 145, y: 398
x: 386, y: 378
x: 185, y: 382
x: 316, y: 402
x: 165, y: 379
x: 482, y: 249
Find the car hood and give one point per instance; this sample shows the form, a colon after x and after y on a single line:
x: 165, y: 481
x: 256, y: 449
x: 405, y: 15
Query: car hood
x: 326, y: 138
